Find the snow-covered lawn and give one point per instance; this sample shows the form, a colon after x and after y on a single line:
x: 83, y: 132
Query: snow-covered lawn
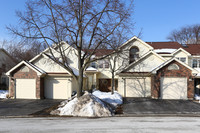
x: 90, y: 105
x: 3, y: 93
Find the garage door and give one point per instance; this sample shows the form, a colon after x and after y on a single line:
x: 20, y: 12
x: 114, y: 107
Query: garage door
x: 57, y: 88
x: 138, y: 87
x: 26, y: 88
x: 173, y: 88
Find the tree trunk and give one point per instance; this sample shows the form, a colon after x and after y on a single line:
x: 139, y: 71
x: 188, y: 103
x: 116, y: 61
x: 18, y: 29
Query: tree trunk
x: 80, y: 83
x: 113, y: 82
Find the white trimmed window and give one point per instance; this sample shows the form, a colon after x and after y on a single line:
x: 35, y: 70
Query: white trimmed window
x: 93, y: 64
x: 103, y: 64
x: 133, y: 54
x: 183, y: 59
x: 196, y: 63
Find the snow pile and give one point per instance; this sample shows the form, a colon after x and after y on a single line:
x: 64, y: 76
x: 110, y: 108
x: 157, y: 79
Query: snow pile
x: 3, y: 93
x: 87, y: 105
x: 196, y: 97
x: 115, y: 99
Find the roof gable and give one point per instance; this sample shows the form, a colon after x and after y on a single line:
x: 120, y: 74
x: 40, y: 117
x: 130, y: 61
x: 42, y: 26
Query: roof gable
x: 150, y: 57
x: 180, y: 49
x: 39, y: 71
x: 135, y: 38
x: 169, y: 61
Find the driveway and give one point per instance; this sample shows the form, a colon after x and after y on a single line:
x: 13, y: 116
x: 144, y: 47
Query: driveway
x: 24, y: 107
x: 141, y: 106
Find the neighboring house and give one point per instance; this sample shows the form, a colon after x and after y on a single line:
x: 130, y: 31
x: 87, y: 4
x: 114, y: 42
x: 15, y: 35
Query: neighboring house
x: 42, y: 77
x: 165, y: 70
x: 6, y: 63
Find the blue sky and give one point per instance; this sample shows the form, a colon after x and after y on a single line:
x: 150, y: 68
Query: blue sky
x: 156, y: 18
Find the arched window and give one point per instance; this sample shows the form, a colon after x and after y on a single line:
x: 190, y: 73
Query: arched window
x: 133, y: 54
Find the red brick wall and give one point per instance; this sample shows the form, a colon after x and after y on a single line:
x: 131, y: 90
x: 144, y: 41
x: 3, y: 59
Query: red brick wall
x: 164, y: 72
x: 18, y: 74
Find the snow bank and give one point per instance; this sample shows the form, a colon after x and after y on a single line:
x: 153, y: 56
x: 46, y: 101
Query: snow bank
x: 196, y: 97
x: 87, y: 105
x: 3, y: 93
x: 115, y: 99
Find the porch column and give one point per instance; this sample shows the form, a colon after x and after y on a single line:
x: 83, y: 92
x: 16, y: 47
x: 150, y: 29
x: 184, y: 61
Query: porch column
x: 95, y: 80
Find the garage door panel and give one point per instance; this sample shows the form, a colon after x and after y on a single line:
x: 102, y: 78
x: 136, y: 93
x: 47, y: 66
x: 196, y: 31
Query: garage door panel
x: 138, y: 87
x: 173, y: 88
x: 57, y: 88
x: 26, y: 88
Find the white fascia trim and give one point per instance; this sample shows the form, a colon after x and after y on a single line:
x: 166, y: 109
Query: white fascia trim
x: 145, y: 55
x: 167, y: 62
x: 23, y: 62
x: 134, y: 37
x: 180, y: 49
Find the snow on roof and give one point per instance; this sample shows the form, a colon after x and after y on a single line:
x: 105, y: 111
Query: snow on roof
x: 198, y: 74
x: 165, y: 50
x: 75, y: 71
x: 91, y: 69
x: 198, y: 69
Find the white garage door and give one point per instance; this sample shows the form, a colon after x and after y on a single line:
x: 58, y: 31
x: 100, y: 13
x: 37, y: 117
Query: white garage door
x: 26, y: 88
x: 173, y: 88
x: 57, y: 88
x: 138, y: 87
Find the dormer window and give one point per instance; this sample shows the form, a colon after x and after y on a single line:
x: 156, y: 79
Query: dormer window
x: 93, y: 64
x: 133, y: 54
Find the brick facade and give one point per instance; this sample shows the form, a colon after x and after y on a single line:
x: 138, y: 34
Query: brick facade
x: 164, y: 72
x: 31, y: 74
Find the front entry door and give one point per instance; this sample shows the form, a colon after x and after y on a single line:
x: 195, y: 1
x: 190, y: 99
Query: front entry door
x: 105, y: 85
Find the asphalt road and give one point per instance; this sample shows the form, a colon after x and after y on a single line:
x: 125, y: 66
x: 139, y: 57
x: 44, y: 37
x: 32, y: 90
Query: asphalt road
x: 105, y: 125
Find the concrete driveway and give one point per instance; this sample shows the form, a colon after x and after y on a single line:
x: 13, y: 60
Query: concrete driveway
x: 141, y: 106
x: 24, y: 107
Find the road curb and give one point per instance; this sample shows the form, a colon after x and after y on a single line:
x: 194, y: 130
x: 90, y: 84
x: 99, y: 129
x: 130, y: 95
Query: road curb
x: 160, y: 115
x: 117, y: 115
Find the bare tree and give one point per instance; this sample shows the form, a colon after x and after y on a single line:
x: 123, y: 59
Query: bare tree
x: 186, y: 35
x: 19, y: 50
x: 84, y: 24
x: 114, y: 64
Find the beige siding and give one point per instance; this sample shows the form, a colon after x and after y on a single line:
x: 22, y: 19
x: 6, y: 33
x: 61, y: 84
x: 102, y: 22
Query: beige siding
x: 70, y: 53
x: 48, y: 65
x: 147, y: 64
x: 135, y: 86
x: 182, y: 54
x: 124, y: 57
